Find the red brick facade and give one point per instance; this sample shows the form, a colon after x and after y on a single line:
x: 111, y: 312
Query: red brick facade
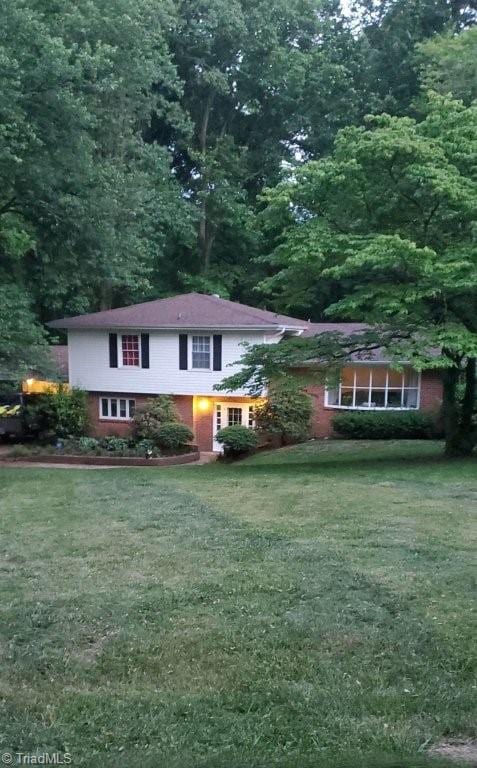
x: 430, y: 400
x: 195, y: 411
x: 198, y: 412
x: 104, y: 427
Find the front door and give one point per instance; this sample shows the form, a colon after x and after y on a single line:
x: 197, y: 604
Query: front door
x: 228, y: 414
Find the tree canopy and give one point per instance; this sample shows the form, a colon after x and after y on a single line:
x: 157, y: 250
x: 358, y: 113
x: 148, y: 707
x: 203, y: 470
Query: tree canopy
x: 386, y: 223
x: 147, y: 148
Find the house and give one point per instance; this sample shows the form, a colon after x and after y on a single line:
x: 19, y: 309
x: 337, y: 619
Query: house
x: 184, y: 345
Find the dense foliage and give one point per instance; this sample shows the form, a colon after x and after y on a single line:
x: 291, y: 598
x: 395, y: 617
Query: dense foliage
x: 56, y: 414
x: 150, y: 417
x: 286, y: 414
x: 158, y: 422
x: 365, y: 425
x: 173, y: 436
x: 237, y: 440
x: 385, y: 227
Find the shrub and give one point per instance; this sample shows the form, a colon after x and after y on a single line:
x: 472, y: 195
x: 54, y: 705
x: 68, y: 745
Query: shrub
x: 286, y: 414
x: 115, y: 444
x: 61, y: 414
x: 148, y: 419
x: 173, y: 436
x: 88, y: 445
x: 146, y: 448
x: 380, y: 425
x: 237, y: 440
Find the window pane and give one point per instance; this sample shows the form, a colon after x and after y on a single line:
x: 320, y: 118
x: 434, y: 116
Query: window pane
x: 122, y: 409
x: 234, y: 416
x: 394, y: 398
x: 114, y: 408
x: 251, y: 416
x: 104, y: 406
x: 132, y: 408
x: 395, y: 379
x: 410, y: 398
x: 130, y: 349
x: 346, y: 396
x: 201, y: 351
x: 410, y: 378
x: 333, y: 396
x: 347, y: 377
x: 379, y: 377
x: 378, y: 398
x: 362, y: 398
x: 362, y: 376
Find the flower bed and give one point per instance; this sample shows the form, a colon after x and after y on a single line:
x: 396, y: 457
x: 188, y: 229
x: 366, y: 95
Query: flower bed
x: 107, y: 461
x: 108, y: 451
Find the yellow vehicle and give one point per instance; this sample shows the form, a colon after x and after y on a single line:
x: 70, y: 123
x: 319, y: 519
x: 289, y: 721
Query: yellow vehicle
x: 11, y: 415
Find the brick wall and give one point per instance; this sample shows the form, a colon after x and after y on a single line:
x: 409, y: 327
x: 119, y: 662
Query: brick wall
x: 321, y: 425
x: 105, y: 427
x: 200, y: 421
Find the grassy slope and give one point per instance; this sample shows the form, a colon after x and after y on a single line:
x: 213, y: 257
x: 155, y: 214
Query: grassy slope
x: 314, y: 603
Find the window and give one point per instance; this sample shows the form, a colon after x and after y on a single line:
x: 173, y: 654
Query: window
x: 251, y: 416
x: 130, y: 350
x: 119, y: 408
x: 375, y: 387
x: 201, y: 352
x: 234, y: 416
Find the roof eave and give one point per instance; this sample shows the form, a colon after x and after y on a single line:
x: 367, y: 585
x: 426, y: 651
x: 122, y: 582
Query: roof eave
x: 58, y: 324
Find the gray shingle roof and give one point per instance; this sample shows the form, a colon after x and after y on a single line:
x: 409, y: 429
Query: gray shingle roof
x: 190, y: 310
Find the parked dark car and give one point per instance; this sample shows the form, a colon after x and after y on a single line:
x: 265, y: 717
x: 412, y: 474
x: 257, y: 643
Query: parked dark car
x: 11, y: 415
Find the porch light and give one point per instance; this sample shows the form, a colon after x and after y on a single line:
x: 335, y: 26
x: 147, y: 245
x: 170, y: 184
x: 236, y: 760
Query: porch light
x: 203, y: 404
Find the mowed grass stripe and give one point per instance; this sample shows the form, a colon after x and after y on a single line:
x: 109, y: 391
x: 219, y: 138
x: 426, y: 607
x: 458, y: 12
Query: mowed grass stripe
x: 150, y: 618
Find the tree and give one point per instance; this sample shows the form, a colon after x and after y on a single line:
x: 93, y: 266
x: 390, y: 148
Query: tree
x: 449, y: 65
x: 22, y: 340
x: 99, y: 204
x: 389, y: 33
x: 260, y: 82
x: 390, y: 218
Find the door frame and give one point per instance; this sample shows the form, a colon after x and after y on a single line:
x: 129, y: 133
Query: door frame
x: 223, y: 404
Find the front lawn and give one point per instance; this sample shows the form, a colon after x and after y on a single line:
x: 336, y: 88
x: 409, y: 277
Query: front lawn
x: 307, y: 607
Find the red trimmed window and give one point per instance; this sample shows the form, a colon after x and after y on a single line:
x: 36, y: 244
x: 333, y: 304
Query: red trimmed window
x: 130, y: 350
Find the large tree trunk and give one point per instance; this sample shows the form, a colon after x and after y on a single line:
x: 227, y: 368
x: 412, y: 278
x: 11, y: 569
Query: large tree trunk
x: 206, y: 234
x: 459, y: 427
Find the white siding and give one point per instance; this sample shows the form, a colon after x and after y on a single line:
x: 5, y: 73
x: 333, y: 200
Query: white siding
x: 89, y: 363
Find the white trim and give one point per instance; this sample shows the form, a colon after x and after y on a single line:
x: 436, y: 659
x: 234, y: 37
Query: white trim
x: 128, y: 400
x: 120, y: 350
x: 385, y: 389
x: 190, y: 342
x: 223, y: 405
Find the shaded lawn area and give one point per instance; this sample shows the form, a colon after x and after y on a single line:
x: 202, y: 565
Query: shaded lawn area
x: 310, y: 606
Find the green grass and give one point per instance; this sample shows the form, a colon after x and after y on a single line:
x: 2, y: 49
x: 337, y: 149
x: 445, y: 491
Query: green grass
x: 307, y: 607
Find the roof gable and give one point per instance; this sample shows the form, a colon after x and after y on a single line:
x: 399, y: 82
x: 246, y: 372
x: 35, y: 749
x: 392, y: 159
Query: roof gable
x: 190, y: 310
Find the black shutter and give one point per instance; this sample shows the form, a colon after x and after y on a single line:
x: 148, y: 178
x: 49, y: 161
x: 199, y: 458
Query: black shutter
x: 183, y: 351
x: 113, y: 350
x: 144, y: 350
x: 217, y: 353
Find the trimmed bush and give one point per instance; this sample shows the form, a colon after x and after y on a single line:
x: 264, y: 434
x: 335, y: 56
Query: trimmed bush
x: 56, y: 414
x: 381, y: 425
x: 237, y: 440
x: 285, y: 414
x: 173, y: 436
x: 148, y: 419
x: 114, y: 444
x: 88, y: 445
